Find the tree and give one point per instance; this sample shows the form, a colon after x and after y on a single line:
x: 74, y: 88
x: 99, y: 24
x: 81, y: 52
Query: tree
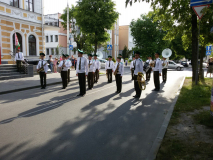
x: 95, y: 18
x: 148, y: 35
x: 126, y: 52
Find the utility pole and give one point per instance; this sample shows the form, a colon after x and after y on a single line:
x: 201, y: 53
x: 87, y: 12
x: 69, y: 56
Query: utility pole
x: 68, y: 28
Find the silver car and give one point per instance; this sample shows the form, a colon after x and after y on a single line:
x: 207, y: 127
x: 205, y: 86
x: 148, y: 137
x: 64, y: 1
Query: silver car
x: 173, y: 65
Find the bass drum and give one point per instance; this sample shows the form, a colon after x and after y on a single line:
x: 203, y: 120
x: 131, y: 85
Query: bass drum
x: 146, y: 67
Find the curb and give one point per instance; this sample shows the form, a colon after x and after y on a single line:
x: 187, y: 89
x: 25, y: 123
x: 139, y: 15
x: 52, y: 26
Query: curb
x: 158, y: 140
x: 38, y: 86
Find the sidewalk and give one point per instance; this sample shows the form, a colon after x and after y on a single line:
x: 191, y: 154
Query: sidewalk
x: 20, y: 84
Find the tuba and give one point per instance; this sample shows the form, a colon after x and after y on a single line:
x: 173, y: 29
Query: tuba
x: 166, y: 54
x: 141, y: 81
x: 61, y: 68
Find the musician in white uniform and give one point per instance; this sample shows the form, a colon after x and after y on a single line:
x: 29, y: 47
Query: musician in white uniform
x: 82, y: 72
x: 42, y: 68
x: 97, y: 65
x: 148, y: 72
x: 164, y: 70
x: 64, y: 65
x: 119, y: 70
x: 122, y: 60
x: 138, y: 68
x: 157, y: 69
x: 19, y: 57
x: 132, y: 66
x: 91, y: 72
x: 68, y: 71
x: 109, y: 67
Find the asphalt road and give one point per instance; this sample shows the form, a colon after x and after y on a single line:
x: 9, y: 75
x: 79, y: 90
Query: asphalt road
x: 54, y: 124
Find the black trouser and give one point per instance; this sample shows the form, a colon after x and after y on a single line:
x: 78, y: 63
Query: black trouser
x: 18, y: 64
x: 164, y: 74
x: 68, y: 76
x: 90, y: 80
x: 137, y: 89
x: 119, y: 82
x: 109, y: 75
x: 132, y: 71
x: 96, y: 75
x: 42, y: 79
x: 156, y: 79
x: 82, y: 83
x: 148, y: 74
x: 64, y: 78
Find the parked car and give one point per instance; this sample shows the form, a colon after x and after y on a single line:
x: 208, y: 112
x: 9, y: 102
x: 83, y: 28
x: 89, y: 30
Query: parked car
x: 185, y: 63
x: 173, y: 65
x: 102, y: 63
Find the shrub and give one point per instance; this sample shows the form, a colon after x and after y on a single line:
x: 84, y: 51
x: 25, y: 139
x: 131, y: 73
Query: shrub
x: 130, y: 60
x: 113, y: 59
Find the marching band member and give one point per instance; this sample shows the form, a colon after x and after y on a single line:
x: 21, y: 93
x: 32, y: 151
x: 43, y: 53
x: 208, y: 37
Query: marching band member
x: 157, y: 72
x: 122, y: 60
x: 138, y: 68
x: 42, y: 68
x: 91, y: 72
x: 64, y: 65
x: 164, y: 70
x: 68, y: 71
x: 19, y: 58
x: 97, y: 65
x: 119, y: 71
x: 109, y: 67
x: 132, y: 65
x: 148, y: 73
x: 82, y: 72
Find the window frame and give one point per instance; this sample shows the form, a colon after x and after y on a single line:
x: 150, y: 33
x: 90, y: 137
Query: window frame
x: 28, y: 2
x: 47, y: 39
x: 14, y: 3
x: 47, y: 49
x: 31, y: 43
x: 56, y: 38
x: 51, y: 38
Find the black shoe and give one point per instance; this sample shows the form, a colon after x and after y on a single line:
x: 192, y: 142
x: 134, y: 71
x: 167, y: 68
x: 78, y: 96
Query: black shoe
x: 42, y: 88
x: 136, y: 96
x: 63, y: 88
x: 83, y: 95
x: 79, y: 95
x: 119, y: 91
x: 155, y: 90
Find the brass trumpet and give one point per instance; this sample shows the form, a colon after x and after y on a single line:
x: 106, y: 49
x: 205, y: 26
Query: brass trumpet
x: 41, y: 69
x: 141, y: 81
x: 116, y: 71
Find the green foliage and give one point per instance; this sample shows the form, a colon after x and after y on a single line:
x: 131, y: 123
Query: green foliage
x: 148, y: 35
x: 95, y: 18
x: 126, y: 52
x: 113, y: 59
x: 204, y: 118
x: 107, y: 59
x: 130, y: 60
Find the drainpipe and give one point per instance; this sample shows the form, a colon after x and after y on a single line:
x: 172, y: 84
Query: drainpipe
x: 68, y: 28
x: 42, y: 25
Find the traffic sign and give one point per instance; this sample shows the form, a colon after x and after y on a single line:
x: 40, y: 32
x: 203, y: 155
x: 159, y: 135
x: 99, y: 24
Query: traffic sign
x: 200, y: 2
x: 208, y: 50
x: 109, y: 47
x: 198, y: 10
x: 71, y: 47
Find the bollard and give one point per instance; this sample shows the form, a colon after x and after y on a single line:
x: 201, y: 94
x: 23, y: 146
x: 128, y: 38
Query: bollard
x: 30, y: 70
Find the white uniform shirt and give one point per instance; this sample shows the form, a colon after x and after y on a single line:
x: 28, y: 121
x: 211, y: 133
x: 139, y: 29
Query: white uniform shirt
x: 69, y: 62
x: 21, y: 56
x: 158, y: 65
x: 84, y: 65
x: 148, y: 61
x: 120, y: 69
x: 66, y: 63
x: 138, y: 66
x: 97, y: 64
x: 132, y: 64
x: 111, y: 65
x: 39, y: 65
x: 122, y: 60
x: 165, y: 64
x: 91, y: 66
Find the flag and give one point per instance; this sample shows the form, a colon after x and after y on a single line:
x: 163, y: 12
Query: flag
x: 16, y: 42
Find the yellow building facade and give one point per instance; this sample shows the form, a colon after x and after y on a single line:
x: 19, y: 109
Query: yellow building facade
x: 23, y: 17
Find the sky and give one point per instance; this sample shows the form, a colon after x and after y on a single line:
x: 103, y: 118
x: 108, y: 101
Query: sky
x: 126, y: 14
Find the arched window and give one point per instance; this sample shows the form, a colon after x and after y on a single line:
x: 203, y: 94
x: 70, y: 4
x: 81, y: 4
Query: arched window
x: 19, y: 40
x: 32, y: 45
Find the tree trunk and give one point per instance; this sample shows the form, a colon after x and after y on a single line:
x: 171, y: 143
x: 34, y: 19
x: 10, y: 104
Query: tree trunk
x: 202, y: 54
x: 194, y: 45
x: 96, y: 47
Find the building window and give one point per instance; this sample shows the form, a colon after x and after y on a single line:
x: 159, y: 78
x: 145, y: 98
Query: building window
x: 47, y: 39
x: 32, y: 45
x: 51, y: 38
x: 19, y: 40
x: 30, y: 5
x: 48, y: 51
x: 56, y: 38
x: 52, y: 51
x: 14, y: 3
